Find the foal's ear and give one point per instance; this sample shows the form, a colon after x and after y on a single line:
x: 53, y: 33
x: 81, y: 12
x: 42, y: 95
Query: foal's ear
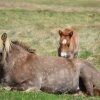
x: 60, y: 32
x: 4, y: 37
x: 71, y: 34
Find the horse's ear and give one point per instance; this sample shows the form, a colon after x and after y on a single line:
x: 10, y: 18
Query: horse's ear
x: 4, y: 37
x: 71, y: 34
x: 60, y: 32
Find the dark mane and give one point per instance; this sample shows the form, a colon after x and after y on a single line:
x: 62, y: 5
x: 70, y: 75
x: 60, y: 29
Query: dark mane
x: 23, y: 45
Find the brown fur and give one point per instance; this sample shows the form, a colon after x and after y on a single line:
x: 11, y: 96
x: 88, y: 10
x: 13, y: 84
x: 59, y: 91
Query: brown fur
x: 96, y: 92
x: 71, y: 45
x: 26, y: 71
x: 23, y: 45
x: 90, y: 77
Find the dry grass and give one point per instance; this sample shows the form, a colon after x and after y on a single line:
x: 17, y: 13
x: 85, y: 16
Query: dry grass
x: 58, y: 6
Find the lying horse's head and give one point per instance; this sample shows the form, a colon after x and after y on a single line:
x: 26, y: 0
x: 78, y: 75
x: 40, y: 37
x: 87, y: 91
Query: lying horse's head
x: 65, y: 41
x: 4, y: 46
x: 7, y: 47
x: 11, y: 54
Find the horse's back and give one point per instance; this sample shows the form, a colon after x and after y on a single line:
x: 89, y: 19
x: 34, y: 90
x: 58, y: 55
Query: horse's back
x: 57, y: 74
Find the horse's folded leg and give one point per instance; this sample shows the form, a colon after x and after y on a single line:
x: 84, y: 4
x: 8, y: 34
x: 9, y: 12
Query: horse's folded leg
x: 19, y: 88
x: 89, y: 88
x: 80, y: 93
x: 32, y: 89
x: 8, y: 88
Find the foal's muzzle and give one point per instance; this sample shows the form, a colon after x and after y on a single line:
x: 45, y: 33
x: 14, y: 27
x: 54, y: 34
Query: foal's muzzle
x: 64, y: 54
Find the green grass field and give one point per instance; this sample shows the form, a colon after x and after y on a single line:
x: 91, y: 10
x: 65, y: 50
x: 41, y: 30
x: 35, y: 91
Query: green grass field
x: 76, y: 3
x: 4, y: 95
x: 37, y: 22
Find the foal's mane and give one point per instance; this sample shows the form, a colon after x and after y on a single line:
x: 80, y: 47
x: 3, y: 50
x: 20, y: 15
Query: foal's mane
x: 24, y: 46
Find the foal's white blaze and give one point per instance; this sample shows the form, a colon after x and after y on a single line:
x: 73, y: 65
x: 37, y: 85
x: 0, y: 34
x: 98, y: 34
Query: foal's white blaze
x: 64, y: 41
x: 63, y: 54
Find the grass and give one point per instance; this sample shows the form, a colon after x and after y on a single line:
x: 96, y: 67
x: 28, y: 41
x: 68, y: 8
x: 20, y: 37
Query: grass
x: 39, y: 29
x: 76, y: 3
x: 15, y: 95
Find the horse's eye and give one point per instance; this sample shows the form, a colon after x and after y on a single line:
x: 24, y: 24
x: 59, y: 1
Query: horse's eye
x: 0, y: 53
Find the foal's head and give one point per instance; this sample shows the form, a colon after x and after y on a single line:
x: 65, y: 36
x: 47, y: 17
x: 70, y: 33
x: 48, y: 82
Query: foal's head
x: 65, y: 41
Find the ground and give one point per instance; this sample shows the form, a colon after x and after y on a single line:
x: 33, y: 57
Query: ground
x: 37, y: 22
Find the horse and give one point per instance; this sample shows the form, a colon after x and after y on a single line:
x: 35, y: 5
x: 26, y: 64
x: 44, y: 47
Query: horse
x: 68, y: 44
x: 27, y: 71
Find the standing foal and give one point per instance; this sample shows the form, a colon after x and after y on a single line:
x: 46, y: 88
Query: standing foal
x: 68, y: 43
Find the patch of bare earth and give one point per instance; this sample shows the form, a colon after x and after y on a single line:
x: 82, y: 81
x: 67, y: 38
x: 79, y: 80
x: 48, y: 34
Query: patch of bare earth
x: 56, y: 8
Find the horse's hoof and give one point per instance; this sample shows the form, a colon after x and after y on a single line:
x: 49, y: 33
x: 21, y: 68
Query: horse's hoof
x: 32, y: 89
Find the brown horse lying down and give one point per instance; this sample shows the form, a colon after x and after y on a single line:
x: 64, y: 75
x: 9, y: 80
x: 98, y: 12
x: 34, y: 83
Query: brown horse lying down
x: 24, y: 70
x: 27, y: 71
x: 68, y: 43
